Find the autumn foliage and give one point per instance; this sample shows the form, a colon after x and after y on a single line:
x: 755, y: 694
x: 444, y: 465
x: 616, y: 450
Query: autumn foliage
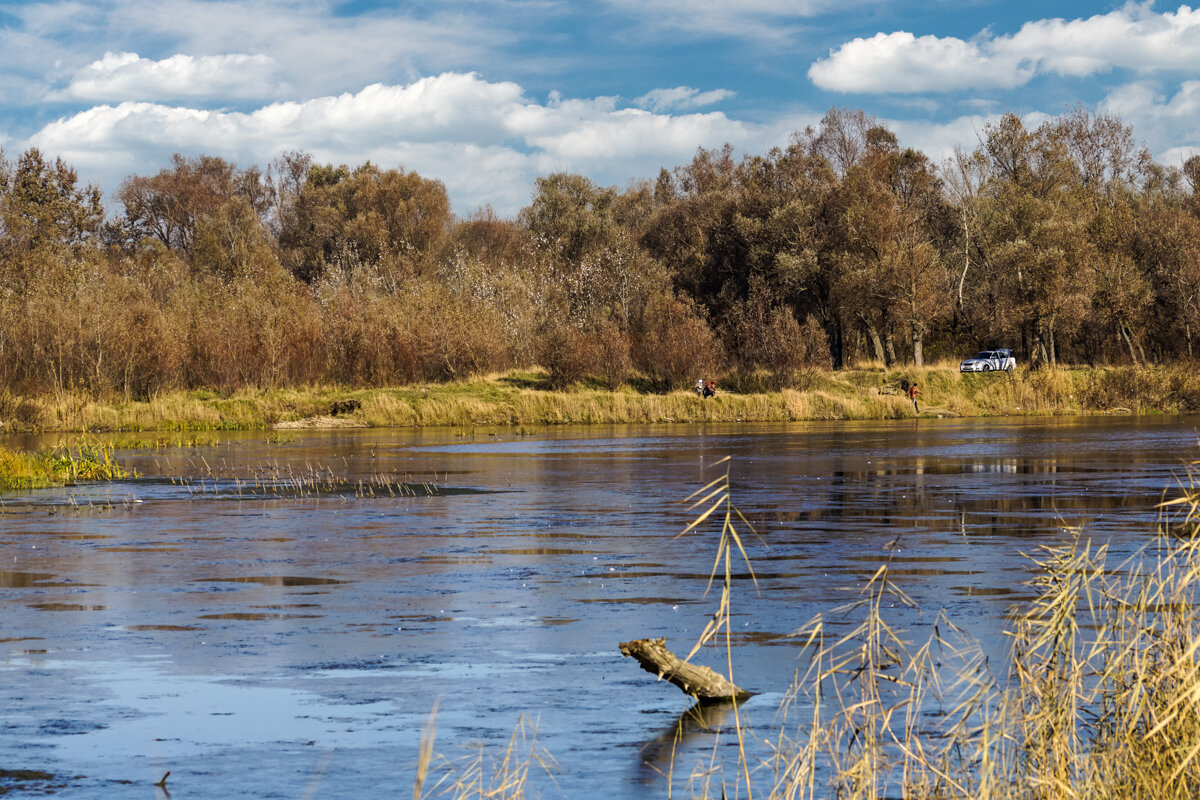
x: 1065, y: 242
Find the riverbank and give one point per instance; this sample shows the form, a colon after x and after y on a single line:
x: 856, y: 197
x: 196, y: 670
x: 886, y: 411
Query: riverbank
x: 519, y: 398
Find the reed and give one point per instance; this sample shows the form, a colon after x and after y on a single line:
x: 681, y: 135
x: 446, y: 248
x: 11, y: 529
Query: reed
x: 479, y: 775
x: 1100, y: 697
x: 180, y: 440
x: 312, y: 482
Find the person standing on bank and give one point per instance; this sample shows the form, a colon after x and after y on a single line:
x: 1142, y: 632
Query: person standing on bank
x: 913, y: 391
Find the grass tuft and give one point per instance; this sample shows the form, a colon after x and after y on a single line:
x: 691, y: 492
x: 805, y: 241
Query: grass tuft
x: 58, y: 467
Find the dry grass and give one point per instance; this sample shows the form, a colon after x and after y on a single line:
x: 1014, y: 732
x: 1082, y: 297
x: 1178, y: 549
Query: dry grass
x: 479, y: 776
x: 1100, y: 698
x: 520, y: 399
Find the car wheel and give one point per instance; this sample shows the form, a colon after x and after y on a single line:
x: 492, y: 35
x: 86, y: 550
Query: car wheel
x: 987, y: 367
x: 1009, y: 368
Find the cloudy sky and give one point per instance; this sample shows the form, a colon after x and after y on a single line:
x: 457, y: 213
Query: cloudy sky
x: 485, y: 95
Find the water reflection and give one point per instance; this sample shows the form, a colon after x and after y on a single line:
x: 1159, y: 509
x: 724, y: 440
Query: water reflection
x: 658, y: 756
x: 18, y: 580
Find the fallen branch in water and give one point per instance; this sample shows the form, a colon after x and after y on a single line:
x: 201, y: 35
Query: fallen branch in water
x: 703, y: 683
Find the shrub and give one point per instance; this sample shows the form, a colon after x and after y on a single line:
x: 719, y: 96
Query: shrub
x: 674, y: 346
x: 564, y: 353
x: 767, y: 347
x: 609, y: 351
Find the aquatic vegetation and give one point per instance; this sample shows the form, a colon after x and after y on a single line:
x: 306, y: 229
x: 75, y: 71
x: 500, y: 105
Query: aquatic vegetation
x: 183, y: 440
x: 478, y: 775
x: 59, y: 466
x: 1100, y: 697
x: 274, y: 481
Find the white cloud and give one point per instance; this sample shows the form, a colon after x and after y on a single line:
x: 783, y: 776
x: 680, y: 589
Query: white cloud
x: 1132, y: 37
x: 939, y: 140
x: 311, y: 45
x: 485, y: 140
x: 1169, y: 125
x: 126, y: 76
x: 681, y: 97
x: 901, y: 62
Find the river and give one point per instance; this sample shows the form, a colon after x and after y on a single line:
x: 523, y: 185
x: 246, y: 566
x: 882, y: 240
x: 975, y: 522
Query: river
x: 279, y: 618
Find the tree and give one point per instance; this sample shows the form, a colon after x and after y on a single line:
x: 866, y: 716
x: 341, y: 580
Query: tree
x: 894, y: 273
x: 590, y: 255
x: 719, y: 225
x: 1033, y: 234
x: 46, y: 219
x: 1167, y: 246
x: 173, y: 204
x: 392, y: 221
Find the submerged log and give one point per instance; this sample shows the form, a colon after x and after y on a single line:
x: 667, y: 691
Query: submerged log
x: 700, y: 682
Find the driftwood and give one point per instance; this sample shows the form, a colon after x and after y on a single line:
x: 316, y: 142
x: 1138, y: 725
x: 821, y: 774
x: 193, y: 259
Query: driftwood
x: 702, y: 683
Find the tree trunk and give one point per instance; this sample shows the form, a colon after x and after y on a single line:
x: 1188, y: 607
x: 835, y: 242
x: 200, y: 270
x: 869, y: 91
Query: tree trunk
x: 1128, y: 341
x: 889, y: 348
x: 702, y: 683
x: 876, y: 341
x: 962, y: 279
x: 1039, y: 343
x: 918, y: 337
x: 833, y: 330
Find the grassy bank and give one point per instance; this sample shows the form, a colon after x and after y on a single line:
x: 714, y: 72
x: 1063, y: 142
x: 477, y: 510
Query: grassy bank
x: 520, y: 399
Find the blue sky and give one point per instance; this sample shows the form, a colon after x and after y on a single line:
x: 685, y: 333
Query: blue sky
x: 485, y: 95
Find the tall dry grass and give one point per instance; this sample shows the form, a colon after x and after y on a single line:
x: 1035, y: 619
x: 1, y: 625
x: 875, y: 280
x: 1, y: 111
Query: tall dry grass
x: 1100, y: 697
x: 521, y: 398
x: 139, y: 328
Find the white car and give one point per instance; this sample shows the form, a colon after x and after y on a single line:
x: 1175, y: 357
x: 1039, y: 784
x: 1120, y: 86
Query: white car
x: 989, y: 361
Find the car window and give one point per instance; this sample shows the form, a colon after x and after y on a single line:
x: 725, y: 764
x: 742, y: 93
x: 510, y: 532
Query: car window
x: 984, y: 354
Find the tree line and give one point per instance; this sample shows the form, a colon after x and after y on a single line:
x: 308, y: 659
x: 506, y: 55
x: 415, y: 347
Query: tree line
x: 1066, y: 242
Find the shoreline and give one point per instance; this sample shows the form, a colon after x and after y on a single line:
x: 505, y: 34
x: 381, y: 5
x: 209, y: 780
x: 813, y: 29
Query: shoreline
x: 518, y: 398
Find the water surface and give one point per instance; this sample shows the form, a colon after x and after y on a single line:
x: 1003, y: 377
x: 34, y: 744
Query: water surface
x: 278, y: 620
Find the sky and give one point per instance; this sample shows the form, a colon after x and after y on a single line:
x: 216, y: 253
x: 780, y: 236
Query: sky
x: 488, y: 95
